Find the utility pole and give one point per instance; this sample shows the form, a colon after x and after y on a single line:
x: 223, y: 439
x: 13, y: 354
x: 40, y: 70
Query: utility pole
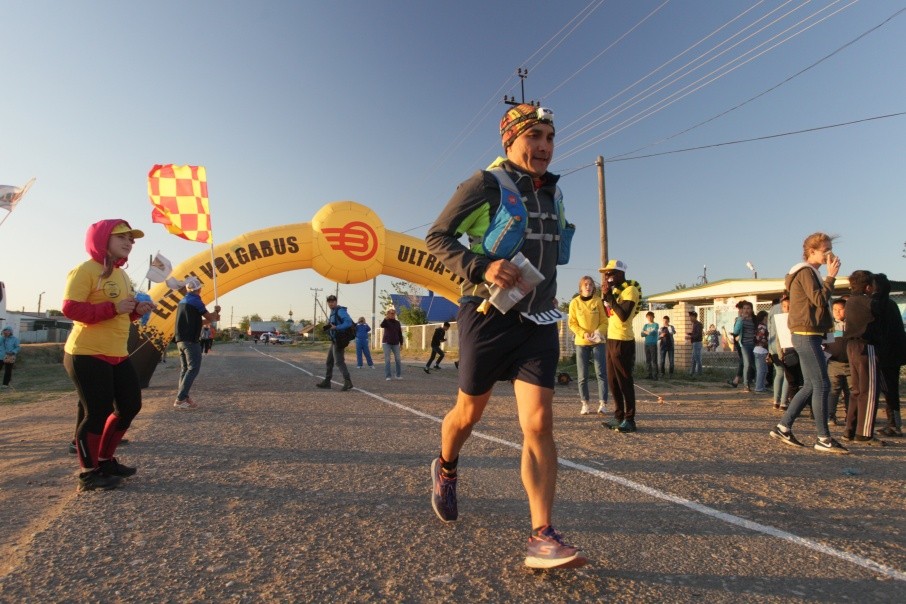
x: 602, y: 209
x: 314, y: 314
x: 510, y: 100
x: 39, y: 301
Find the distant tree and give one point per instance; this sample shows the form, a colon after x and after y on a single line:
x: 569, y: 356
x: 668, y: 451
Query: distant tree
x: 414, y: 315
x: 680, y: 286
x: 54, y: 313
x: 247, y: 320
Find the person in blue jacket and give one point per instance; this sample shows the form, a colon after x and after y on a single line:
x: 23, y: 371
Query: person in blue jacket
x: 362, y: 329
x: 9, y: 348
x: 338, y: 321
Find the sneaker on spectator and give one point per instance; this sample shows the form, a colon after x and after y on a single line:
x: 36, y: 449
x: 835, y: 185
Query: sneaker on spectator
x: 547, y: 549
x: 785, y: 436
x: 602, y: 407
x: 111, y: 467
x: 388, y: 379
x: 829, y: 445
x: 184, y: 405
x: 585, y: 410
x: 443, y: 493
x: 97, y: 480
x: 626, y: 426
x: 73, y: 450
x: 611, y: 424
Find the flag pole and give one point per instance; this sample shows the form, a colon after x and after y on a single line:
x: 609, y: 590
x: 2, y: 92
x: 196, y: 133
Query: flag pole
x: 214, y: 271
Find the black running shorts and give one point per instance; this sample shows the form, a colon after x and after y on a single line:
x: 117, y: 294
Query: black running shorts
x: 495, y: 347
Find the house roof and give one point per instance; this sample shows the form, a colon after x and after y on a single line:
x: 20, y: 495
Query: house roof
x: 437, y: 308
x: 761, y: 289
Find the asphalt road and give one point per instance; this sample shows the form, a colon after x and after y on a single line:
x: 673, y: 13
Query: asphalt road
x: 277, y: 491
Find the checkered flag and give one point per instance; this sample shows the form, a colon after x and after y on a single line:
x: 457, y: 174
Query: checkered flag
x: 179, y: 195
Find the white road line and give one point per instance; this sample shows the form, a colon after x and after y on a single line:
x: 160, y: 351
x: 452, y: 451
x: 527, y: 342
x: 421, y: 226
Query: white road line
x: 871, y: 565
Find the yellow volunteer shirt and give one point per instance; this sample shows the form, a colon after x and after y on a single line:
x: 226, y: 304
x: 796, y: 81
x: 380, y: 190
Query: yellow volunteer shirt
x: 622, y: 330
x: 109, y: 337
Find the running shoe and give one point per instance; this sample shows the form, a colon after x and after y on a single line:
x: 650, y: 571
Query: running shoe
x: 443, y: 493
x: 547, y: 549
x: 829, y: 445
x: 785, y: 436
x: 183, y: 405
x: 426, y: 369
x: 585, y: 410
x: 602, y: 408
x: 611, y: 424
x: 112, y: 467
x: 96, y: 480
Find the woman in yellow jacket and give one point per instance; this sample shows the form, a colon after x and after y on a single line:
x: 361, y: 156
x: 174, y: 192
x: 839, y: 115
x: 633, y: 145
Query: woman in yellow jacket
x: 588, y: 321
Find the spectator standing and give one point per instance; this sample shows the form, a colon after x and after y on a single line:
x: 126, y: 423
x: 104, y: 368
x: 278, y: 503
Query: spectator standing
x: 695, y: 335
x: 666, y: 341
x: 712, y: 338
x: 439, y: 337
x: 650, y: 332
x: 391, y: 341
x: 191, y: 316
x: 100, y: 300
x: 838, y: 366
x: 338, y: 324
x: 809, y: 321
x: 761, y: 351
x: 588, y: 322
x: 362, y: 343
x: 205, y: 339
x: 622, y: 297
x: 744, y: 337
x: 891, y: 353
x: 9, y: 350
x: 861, y: 334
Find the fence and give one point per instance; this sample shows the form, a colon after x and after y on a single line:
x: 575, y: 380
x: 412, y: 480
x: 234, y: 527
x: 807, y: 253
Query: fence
x: 43, y: 336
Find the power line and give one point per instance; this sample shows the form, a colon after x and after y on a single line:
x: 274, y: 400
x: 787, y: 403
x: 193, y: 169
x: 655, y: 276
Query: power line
x: 771, y: 89
x: 759, y: 138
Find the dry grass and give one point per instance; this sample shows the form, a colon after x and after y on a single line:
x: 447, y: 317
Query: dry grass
x: 38, y: 375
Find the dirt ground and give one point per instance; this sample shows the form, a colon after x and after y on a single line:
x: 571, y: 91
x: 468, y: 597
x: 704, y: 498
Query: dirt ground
x: 276, y: 491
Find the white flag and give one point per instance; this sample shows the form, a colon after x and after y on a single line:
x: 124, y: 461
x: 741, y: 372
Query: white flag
x: 10, y: 196
x: 159, y: 270
x: 174, y: 284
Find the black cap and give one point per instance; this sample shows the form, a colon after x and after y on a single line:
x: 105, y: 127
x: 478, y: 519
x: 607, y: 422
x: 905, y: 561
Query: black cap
x: 331, y: 298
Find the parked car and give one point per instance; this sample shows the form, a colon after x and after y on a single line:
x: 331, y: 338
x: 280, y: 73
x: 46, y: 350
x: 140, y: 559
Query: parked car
x: 283, y: 340
x: 268, y: 337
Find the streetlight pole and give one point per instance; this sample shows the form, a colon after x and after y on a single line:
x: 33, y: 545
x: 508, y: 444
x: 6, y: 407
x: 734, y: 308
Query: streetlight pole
x: 39, y: 301
x: 752, y: 268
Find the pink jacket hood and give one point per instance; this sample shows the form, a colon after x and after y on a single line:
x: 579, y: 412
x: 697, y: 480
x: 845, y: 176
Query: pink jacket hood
x: 97, y: 238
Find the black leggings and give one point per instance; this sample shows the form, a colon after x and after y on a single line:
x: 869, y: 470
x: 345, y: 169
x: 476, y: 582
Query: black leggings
x: 103, y: 389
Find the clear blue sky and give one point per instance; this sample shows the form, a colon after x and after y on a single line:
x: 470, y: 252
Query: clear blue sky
x: 291, y: 105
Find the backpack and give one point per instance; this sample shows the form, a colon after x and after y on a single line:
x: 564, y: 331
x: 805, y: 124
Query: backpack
x: 344, y: 336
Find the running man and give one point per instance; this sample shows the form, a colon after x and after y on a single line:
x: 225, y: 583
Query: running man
x: 520, y: 345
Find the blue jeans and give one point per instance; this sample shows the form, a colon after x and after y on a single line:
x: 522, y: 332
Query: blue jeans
x: 190, y: 365
x: 696, y: 358
x: 585, y: 354
x: 781, y: 386
x: 761, y: 370
x: 395, y: 349
x: 664, y: 354
x: 748, y: 363
x: 361, y: 348
x: 816, y: 384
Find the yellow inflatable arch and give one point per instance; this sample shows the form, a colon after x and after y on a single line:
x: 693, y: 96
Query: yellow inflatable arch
x: 345, y: 242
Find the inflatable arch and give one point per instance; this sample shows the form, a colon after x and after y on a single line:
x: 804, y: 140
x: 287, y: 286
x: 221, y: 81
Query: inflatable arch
x: 345, y: 242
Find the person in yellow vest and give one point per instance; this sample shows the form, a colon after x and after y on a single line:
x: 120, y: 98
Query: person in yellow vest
x: 588, y: 321
x: 622, y: 298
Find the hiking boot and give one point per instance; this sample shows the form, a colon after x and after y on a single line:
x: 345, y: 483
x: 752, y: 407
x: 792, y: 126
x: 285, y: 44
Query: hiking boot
x: 585, y: 410
x: 785, y: 436
x: 611, y: 423
x: 98, y: 480
x: 829, y: 445
x: 443, y: 493
x: 111, y: 467
x: 325, y: 383
x: 547, y: 549
x: 626, y: 426
x: 347, y: 385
